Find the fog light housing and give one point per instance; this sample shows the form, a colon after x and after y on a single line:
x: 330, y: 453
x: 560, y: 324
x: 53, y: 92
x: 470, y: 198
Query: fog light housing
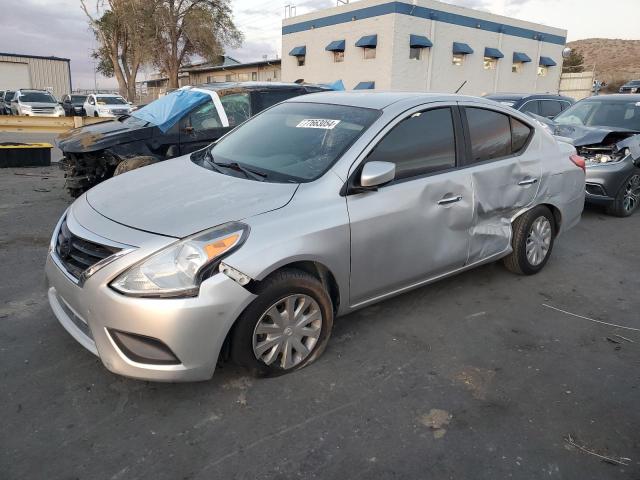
x: 143, y: 349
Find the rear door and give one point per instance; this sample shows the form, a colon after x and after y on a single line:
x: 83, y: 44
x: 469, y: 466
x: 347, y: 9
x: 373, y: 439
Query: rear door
x: 505, y: 168
x: 416, y: 227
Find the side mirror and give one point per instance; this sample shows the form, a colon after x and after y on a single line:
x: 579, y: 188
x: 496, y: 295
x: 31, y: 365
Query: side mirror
x: 375, y: 174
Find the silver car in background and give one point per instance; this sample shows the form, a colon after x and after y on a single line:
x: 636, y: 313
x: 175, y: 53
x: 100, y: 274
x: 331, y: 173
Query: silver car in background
x: 318, y: 206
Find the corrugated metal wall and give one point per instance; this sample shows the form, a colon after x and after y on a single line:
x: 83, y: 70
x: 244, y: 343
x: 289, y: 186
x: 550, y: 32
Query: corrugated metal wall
x: 46, y: 73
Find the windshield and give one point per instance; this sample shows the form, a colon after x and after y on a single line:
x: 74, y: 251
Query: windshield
x: 625, y: 115
x: 294, y: 141
x: 78, y: 98
x: 104, y: 100
x: 44, y: 97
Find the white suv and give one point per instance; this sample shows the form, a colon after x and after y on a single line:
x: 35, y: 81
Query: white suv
x: 104, y: 105
x: 37, y: 103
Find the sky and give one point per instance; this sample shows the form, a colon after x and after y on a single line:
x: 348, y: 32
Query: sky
x: 59, y: 27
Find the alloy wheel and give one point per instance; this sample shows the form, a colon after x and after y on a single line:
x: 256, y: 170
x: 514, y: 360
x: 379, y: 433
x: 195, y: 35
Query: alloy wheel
x: 287, y: 332
x: 631, y: 194
x: 538, y: 241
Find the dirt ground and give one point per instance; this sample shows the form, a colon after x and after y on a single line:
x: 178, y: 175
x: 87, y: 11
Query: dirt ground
x: 480, y: 376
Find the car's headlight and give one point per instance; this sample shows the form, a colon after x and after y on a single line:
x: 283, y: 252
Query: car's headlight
x: 59, y: 109
x: 178, y: 270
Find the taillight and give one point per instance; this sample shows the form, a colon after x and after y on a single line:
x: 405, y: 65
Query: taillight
x: 579, y: 162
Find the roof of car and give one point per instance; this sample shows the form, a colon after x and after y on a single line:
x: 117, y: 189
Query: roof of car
x: 522, y: 96
x: 379, y: 99
x: 616, y: 97
x: 254, y: 85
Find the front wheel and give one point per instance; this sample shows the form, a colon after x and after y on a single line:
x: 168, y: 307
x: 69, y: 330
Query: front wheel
x: 286, y: 328
x: 532, y: 241
x: 627, y: 199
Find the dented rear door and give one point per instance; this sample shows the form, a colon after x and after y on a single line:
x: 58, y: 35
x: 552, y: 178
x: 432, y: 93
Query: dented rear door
x: 505, y: 171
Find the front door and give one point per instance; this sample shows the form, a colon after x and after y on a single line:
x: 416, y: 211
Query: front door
x: 416, y: 227
x: 505, y: 169
x: 200, y: 127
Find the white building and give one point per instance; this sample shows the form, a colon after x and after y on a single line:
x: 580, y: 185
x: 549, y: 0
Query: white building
x: 421, y: 45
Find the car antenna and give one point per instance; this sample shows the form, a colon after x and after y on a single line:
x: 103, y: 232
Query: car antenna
x: 460, y: 87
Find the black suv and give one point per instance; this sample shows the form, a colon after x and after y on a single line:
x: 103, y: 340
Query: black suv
x: 179, y: 123
x: 543, y: 104
x: 73, y: 105
x: 632, y: 86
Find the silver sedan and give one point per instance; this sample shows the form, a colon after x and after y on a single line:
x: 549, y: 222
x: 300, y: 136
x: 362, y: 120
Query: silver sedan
x: 316, y: 207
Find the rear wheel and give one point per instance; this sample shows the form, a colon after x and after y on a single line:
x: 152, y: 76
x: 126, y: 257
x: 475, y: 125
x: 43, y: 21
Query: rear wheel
x: 627, y: 199
x: 286, y: 328
x: 532, y: 241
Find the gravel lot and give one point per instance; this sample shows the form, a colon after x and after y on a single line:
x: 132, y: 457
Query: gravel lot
x: 470, y: 378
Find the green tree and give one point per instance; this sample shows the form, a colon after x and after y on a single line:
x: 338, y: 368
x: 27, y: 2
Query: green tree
x: 125, y: 31
x: 184, y: 28
x: 574, y: 63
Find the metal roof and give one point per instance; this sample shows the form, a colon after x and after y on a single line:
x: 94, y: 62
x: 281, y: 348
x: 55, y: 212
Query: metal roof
x: 3, y: 54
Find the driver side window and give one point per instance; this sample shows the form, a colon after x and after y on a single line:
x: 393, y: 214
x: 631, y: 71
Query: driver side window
x: 204, y: 117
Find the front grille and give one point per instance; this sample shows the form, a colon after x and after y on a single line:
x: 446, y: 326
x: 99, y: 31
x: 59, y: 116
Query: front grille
x: 78, y: 254
x: 45, y: 110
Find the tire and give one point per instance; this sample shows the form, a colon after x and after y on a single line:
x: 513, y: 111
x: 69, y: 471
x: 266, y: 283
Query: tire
x: 628, y: 198
x: 95, y: 114
x: 273, y: 292
x: 523, y: 228
x: 134, y: 163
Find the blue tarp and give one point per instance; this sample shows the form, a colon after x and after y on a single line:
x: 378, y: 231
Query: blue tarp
x: 547, y: 62
x: 167, y: 110
x: 493, y: 53
x: 365, y: 86
x: 335, y: 46
x: 368, y: 41
x: 337, y: 85
x: 520, y: 57
x: 460, y: 48
x: 300, y: 51
x: 418, y: 41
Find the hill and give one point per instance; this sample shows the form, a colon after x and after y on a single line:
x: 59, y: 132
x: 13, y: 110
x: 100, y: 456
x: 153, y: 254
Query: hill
x: 616, y: 61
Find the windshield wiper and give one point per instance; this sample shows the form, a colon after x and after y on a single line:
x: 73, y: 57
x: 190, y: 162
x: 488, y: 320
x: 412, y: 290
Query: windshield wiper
x: 247, y: 172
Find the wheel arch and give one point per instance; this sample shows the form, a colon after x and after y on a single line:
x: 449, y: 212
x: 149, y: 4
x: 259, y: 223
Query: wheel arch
x: 555, y: 211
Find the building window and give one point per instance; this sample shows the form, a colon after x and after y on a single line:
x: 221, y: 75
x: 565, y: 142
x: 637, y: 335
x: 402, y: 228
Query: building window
x: 369, y: 53
x: 243, y: 77
x: 490, y: 63
x: 338, y: 57
x: 542, y: 71
x: 414, y: 53
x: 228, y: 77
x: 254, y: 76
x: 300, y: 60
x: 209, y: 79
x: 517, y: 67
x: 458, y: 59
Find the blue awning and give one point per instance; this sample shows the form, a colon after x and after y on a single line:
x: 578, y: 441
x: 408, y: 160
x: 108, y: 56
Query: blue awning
x: 547, y: 62
x: 298, y: 51
x: 462, y: 48
x: 418, y: 41
x: 335, y: 46
x: 368, y: 41
x: 519, y: 57
x: 493, y: 53
x: 365, y: 86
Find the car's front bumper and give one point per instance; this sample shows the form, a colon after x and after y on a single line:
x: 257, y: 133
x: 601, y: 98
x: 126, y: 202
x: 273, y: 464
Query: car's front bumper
x: 193, y: 329
x: 604, y: 180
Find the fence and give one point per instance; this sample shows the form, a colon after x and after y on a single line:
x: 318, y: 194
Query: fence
x: 577, y: 85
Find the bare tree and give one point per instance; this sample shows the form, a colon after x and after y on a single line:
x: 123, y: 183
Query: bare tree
x: 184, y: 28
x: 125, y: 31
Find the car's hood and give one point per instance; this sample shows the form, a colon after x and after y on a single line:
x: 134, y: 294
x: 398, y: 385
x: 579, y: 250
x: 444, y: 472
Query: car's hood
x: 590, y: 135
x: 178, y: 198
x: 99, y: 136
x: 40, y: 104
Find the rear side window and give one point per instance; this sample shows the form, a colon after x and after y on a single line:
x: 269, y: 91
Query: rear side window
x: 519, y: 135
x: 531, y: 107
x: 550, y: 108
x: 423, y: 143
x: 237, y: 108
x: 490, y: 134
x: 266, y: 99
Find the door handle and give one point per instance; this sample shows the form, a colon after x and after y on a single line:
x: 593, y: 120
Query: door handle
x: 448, y: 200
x: 528, y: 181
x: 188, y: 130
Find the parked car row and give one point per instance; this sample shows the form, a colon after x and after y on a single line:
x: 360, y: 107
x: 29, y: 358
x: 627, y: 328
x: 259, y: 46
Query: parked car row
x: 41, y: 103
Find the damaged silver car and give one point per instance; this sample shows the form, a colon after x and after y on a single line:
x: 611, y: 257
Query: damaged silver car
x: 314, y: 208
